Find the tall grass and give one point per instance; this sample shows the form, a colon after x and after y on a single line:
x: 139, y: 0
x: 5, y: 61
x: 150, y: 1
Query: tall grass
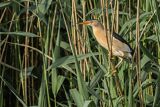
x: 48, y: 60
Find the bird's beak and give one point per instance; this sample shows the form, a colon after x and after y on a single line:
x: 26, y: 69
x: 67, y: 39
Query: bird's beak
x: 86, y: 23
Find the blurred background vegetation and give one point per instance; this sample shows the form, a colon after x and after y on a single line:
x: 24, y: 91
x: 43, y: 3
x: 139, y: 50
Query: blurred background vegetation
x: 48, y: 60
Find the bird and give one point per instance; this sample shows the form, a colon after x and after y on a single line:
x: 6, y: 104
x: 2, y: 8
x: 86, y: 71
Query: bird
x: 119, y: 46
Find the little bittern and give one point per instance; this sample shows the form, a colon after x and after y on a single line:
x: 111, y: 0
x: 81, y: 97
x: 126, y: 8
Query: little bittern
x: 119, y: 46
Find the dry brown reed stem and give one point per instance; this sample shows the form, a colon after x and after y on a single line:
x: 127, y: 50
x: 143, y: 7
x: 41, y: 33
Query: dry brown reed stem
x: 138, y: 67
x: 113, y: 69
x: 26, y: 55
x: 84, y: 63
x: 6, y: 39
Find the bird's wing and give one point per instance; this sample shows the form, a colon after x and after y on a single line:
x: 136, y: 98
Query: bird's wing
x: 121, y: 44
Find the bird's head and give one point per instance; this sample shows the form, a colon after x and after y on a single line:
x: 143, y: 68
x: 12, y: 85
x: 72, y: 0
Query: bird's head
x: 93, y: 23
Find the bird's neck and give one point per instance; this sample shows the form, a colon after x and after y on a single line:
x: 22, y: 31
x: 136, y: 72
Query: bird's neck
x: 99, y: 31
x: 100, y: 36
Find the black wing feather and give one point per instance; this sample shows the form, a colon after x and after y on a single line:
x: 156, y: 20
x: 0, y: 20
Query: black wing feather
x: 117, y: 36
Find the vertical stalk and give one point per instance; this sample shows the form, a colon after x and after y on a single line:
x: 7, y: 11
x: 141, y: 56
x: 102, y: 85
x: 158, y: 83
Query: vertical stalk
x: 110, y: 37
x: 45, y: 73
x: 138, y: 67
x: 107, y: 30
x: 73, y: 28
x: 81, y: 86
x: 52, y: 32
x: 117, y: 16
x: 26, y: 56
x: 130, y: 93
x: 84, y: 63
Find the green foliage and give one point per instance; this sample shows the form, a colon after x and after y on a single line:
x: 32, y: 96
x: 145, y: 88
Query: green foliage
x: 48, y: 60
x: 26, y: 34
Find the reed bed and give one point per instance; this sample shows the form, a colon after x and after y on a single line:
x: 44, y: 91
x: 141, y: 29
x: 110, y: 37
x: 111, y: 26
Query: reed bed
x: 48, y: 60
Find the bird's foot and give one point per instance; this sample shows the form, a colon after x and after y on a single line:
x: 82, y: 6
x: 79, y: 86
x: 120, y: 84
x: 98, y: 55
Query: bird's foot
x: 113, y: 72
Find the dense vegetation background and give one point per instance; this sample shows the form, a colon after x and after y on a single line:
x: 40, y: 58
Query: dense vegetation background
x: 48, y: 60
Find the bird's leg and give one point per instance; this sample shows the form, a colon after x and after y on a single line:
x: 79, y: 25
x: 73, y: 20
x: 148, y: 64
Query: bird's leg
x: 119, y: 63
